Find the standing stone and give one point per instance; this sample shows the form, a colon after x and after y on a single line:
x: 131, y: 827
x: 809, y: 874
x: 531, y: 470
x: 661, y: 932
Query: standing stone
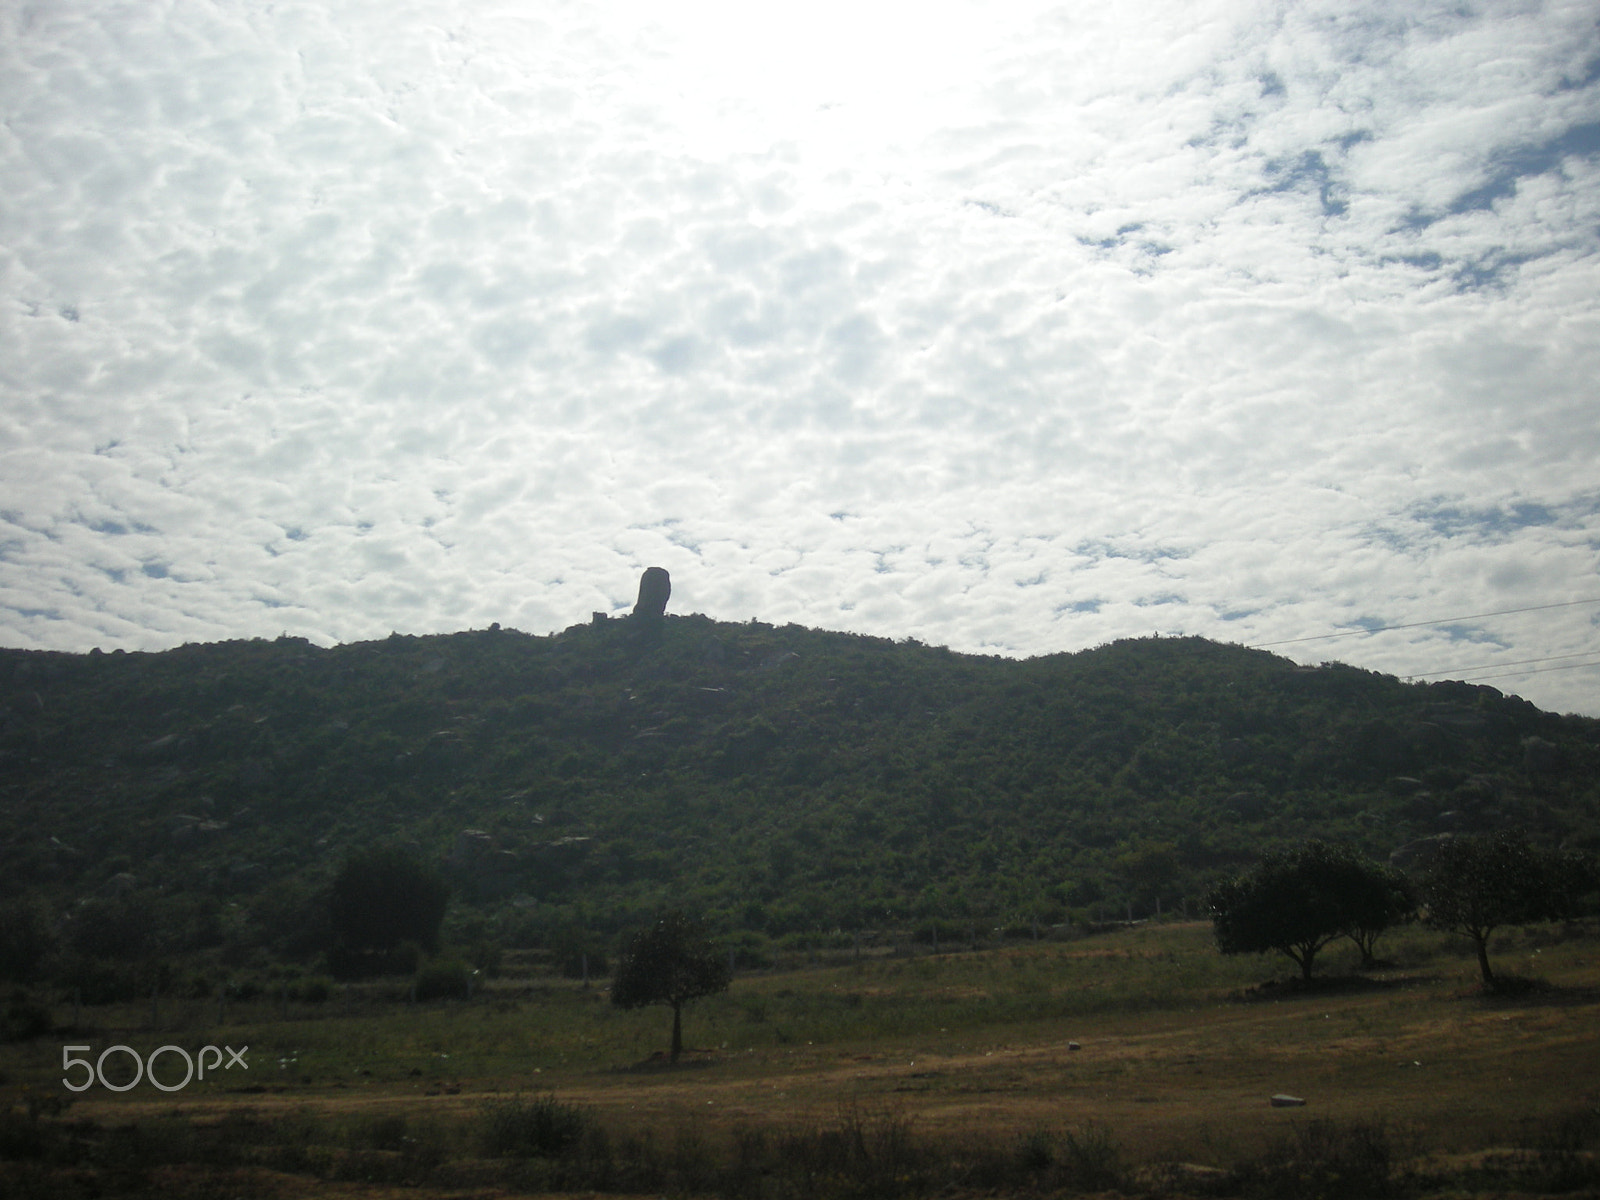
x: 655, y: 586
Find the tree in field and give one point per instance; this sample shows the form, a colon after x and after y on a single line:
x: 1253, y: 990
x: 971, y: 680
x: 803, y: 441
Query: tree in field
x: 1150, y: 869
x: 1297, y: 901
x: 385, y: 896
x: 26, y: 938
x: 1474, y: 885
x: 673, y: 963
x: 1380, y: 898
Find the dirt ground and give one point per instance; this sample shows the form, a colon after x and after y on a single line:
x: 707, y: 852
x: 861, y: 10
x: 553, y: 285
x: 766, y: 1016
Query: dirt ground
x: 1452, y: 1074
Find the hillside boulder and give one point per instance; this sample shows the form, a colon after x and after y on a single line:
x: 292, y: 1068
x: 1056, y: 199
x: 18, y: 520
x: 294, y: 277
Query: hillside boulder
x: 655, y: 588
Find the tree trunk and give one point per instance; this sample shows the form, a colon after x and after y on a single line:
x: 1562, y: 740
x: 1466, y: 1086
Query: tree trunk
x: 677, y: 1031
x: 1366, y: 941
x: 1481, y: 941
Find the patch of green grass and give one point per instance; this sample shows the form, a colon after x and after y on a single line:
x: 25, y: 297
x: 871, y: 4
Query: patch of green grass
x: 1415, y: 1051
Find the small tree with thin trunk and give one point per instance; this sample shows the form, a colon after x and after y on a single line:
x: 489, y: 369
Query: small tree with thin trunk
x: 1381, y: 897
x: 1277, y: 906
x: 1474, y: 885
x: 673, y: 963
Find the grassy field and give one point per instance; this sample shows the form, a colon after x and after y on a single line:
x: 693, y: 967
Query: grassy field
x: 1138, y: 1062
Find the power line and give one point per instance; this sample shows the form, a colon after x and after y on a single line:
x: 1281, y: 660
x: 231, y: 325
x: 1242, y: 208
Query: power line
x: 1505, y: 612
x: 1521, y: 662
x: 1534, y: 671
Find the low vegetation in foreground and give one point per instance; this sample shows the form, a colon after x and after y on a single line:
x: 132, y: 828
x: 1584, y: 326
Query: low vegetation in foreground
x: 1138, y: 1062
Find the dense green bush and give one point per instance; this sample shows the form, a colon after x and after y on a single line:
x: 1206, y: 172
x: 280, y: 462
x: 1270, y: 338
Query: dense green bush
x: 385, y: 896
x: 22, y: 1016
x: 444, y: 979
x: 531, y: 1127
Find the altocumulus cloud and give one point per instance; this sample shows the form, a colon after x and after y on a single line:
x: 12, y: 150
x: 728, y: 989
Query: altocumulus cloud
x: 1013, y: 332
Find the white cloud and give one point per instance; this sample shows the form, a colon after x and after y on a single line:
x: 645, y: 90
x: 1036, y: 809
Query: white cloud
x: 1015, y: 331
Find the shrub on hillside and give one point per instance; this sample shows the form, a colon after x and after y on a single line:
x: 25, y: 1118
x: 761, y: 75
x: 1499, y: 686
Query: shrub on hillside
x: 536, y: 1127
x: 384, y: 897
x: 444, y: 979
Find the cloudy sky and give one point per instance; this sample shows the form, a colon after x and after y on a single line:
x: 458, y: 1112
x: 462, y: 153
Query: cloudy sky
x: 1011, y: 327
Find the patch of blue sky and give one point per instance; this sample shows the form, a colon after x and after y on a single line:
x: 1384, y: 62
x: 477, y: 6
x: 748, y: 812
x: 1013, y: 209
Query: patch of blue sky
x: 1524, y: 162
x: 43, y: 614
x: 113, y: 528
x: 1106, y: 549
x: 1494, y: 270
x: 1307, y: 172
x: 1472, y: 634
x: 1507, y: 168
x: 1590, y: 76
x: 1081, y: 606
x: 1455, y: 520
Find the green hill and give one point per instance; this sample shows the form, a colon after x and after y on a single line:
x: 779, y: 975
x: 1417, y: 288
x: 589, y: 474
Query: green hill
x: 778, y: 780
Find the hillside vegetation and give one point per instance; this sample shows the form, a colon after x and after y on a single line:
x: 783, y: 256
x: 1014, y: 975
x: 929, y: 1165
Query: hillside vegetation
x: 784, y: 782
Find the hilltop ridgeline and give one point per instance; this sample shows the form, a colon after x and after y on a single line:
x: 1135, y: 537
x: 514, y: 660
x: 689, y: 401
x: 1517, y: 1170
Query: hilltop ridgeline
x: 776, y: 780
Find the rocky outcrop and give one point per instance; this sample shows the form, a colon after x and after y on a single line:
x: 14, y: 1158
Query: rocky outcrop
x: 655, y: 587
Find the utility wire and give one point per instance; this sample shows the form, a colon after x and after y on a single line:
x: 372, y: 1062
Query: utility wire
x: 1505, y: 612
x: 1521, y: 662
x: 1534, y: 671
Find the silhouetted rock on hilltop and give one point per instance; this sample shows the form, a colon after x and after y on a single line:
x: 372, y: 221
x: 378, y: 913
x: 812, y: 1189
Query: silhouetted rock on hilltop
x: 655, y: 588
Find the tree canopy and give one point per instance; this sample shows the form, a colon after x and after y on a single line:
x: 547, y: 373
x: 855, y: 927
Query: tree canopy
x: 1380, y: 897
x: 385, y: 896
x: 1297, y: 901
x: 1476, y: 884
x: 672, y: 962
